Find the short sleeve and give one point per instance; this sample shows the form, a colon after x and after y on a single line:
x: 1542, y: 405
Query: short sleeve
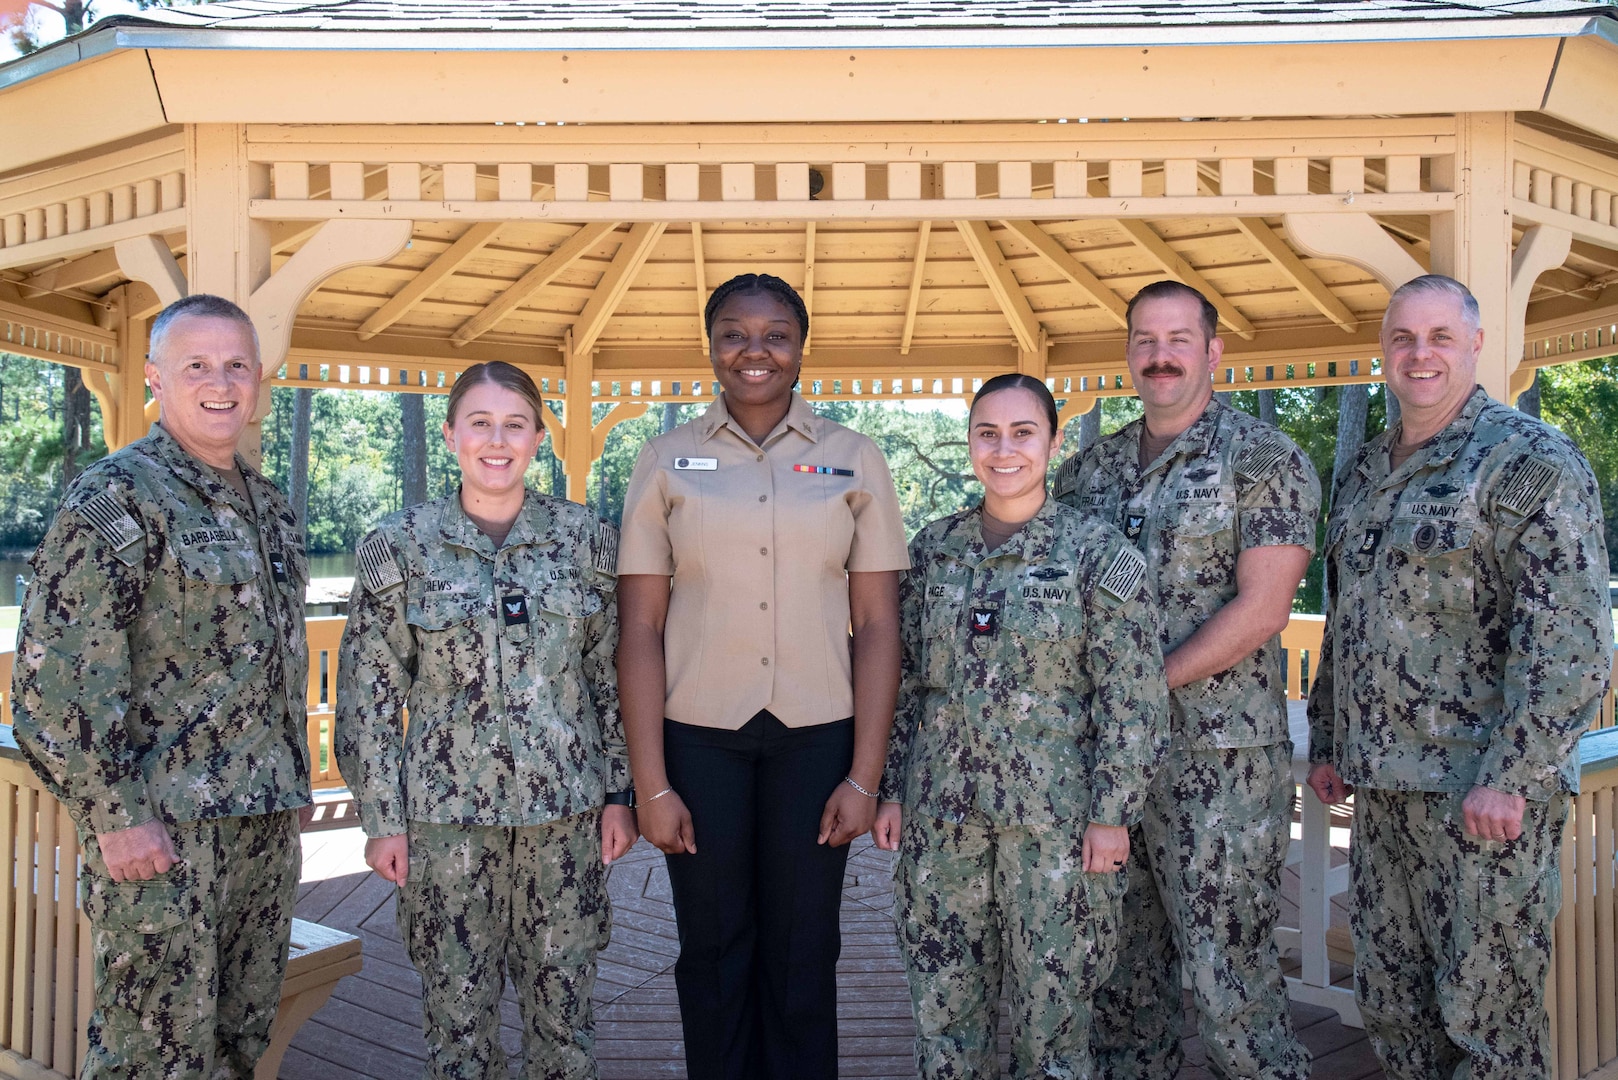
x: 879, y: 528
x: 643, y: 541
x: 1278, y: 495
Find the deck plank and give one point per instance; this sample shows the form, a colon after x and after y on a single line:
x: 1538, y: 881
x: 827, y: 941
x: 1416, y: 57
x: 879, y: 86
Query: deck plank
x: 371, y: 1026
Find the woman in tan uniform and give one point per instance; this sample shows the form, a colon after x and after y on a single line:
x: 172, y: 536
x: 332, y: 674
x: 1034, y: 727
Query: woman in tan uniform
x: 753, y: 538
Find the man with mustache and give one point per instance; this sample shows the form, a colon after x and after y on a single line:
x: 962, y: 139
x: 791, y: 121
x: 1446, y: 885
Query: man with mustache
x: 160, y: 680
x: 1224, y: 508
x: 1468, y: 638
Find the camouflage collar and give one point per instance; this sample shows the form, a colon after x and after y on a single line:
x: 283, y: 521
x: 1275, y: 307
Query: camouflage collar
x: 800, y: 417
x: 1441, y: 449
x: 1032, y: 543
x: 533, y: 525
x: 1120, y: 452
x: 163, y: 446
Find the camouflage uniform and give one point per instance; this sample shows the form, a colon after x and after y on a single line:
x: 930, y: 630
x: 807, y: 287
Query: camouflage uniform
x: 504, y: 658
x: 1205, y: 863
x: 161, y: 673
x: 1468, y: 639
x: 1032, y: 702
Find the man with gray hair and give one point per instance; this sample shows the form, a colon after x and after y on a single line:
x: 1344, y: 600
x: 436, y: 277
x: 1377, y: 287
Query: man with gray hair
x: 1468, y: 640
x: 159, y: 688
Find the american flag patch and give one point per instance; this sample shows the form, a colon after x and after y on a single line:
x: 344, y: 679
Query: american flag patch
x: 605, y: 548
x: 1067, y: 475
x: 1527, y: 490
x: 1257, y: 459
x: 377, y: 565
x: 1122, y: 579
x: 112, y: 521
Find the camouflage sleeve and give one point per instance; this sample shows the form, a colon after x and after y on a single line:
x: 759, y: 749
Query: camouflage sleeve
x: 907, y: 712
x: 1278, y: 494
x: 1124, y: 656
x: 1560, y: 635
x: 600, y: 650
x: 377, y: 664
x: 71, y: 683
x: 1322, y: 705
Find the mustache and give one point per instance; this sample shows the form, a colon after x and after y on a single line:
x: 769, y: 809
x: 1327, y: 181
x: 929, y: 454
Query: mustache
x: 1162, y: 369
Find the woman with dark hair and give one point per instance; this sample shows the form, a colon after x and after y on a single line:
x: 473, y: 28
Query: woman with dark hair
x: 754, y: 538
x: 1031, y: 713
x: 491, y: 615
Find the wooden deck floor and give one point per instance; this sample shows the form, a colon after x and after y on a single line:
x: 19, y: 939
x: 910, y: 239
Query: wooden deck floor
x: 372, y: 1025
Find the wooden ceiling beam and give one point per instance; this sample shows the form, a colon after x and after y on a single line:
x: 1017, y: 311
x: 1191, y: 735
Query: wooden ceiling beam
x: 1002, y: 283
x: 1308, y: 282
x: 1064, y: 263
x: 918, y: 267
x: 541, y: 275
x: 1146, y: 238
x: 701, y: 268
x: 808, y: 278
x: 470, y: 243
x: 76, y: 273
x: 609, y: 291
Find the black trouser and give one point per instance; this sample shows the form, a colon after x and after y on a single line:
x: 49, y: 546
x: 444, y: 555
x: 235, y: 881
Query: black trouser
x: 757, y: 904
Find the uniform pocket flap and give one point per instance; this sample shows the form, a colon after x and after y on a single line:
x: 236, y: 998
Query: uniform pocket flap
x: 134, y: 907
x: 1044, y: 620
x: 1503, y: 899
x: 569, y: 600
x: 1431, y: 539
x: 217, y: 564
x: 444, y: 611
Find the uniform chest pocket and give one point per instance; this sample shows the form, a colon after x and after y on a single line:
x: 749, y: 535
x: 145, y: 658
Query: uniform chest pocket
x: 940, y: 622
x: 1435, y: 571
x: 1202, y: 521
x: 450, y: 650
x: 221, y: 608
x: 1044, y: 634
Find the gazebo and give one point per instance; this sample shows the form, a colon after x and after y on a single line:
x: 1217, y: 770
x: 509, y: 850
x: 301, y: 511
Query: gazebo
x: 398, y: 189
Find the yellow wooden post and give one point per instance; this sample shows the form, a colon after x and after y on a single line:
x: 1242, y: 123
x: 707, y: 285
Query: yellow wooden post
x: 1473, y: 243
x: 577, y: 445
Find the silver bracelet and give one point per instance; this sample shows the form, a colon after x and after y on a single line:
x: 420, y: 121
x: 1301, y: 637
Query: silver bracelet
x: 656, y: 797
x: 851, y: 782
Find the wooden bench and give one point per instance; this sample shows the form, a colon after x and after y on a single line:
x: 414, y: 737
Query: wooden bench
x: 45, y: 988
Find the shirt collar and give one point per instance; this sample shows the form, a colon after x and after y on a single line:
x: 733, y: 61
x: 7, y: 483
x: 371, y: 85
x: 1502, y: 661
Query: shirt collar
x: 800, y: 417
x: 200, y: 475
x: 1032, y: 543
x: 533, y: 525
x: 1440, y: 449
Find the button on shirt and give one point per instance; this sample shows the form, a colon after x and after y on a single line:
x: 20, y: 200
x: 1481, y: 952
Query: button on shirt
x: 759, y: 541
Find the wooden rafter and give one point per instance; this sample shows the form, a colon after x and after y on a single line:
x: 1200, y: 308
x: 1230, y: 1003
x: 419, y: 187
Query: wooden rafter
x: 808, y: 277
x: 701, y: 269
x: 609, y: 292
x: 917, y: 269
x: 548, y: 270
x: 1146, y: 238
x: 1308, y: 282
x: 1002, y: 283
x: 470, y: 243
x: 1063, y: 261
x: 77, y: 273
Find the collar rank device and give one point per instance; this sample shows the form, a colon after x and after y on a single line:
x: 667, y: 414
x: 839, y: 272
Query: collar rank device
x: 1132, y: 525
x: 514, y: 609
x: 278, y: 567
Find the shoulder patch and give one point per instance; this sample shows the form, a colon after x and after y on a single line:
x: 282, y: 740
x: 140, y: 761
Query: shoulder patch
x: 115, y: 524
x: 1067, y: 476
x: 1528, y: 489
x: 604, y: 549
x: 1257, y: 458
x: 378, y: 566
x: 1122, y: 579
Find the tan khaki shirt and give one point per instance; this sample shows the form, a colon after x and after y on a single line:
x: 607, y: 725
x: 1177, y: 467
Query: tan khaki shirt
x: 759, y: 541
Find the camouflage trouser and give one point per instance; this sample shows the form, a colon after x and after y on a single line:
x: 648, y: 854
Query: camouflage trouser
x: 484, y: 900
x: 978, y: 904
x: 1452, y: 937
x: 188, y: 966
x: 1204, y: 891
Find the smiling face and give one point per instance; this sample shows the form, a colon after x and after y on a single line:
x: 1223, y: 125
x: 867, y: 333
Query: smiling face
x: 1430, y: 357
x: 206, y: 382
x: 493, y: 435
x: 1171, y: 360
x: 756, y: 347
x: 1010, y: 444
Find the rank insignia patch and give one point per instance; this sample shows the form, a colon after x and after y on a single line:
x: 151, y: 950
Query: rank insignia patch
x: 985, y: 622
x: 514, y: 609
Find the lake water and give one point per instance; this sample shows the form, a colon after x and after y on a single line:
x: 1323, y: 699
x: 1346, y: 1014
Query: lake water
x: 336, y: 565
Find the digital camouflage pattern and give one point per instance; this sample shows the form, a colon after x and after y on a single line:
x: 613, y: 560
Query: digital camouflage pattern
x: 504, y: 657
x: 188, y: 966
x: 1204, y: 895
x: 161, y: 659
x: 1452, y: 936
x: 1228, y: 483
x: 1205, y: 863
x: 1469, y: 634
x: 481, y: 902
x: 1468, y: 641
x: 976, y: 900
x: 1032, y: 682
x: 1031, y: 702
